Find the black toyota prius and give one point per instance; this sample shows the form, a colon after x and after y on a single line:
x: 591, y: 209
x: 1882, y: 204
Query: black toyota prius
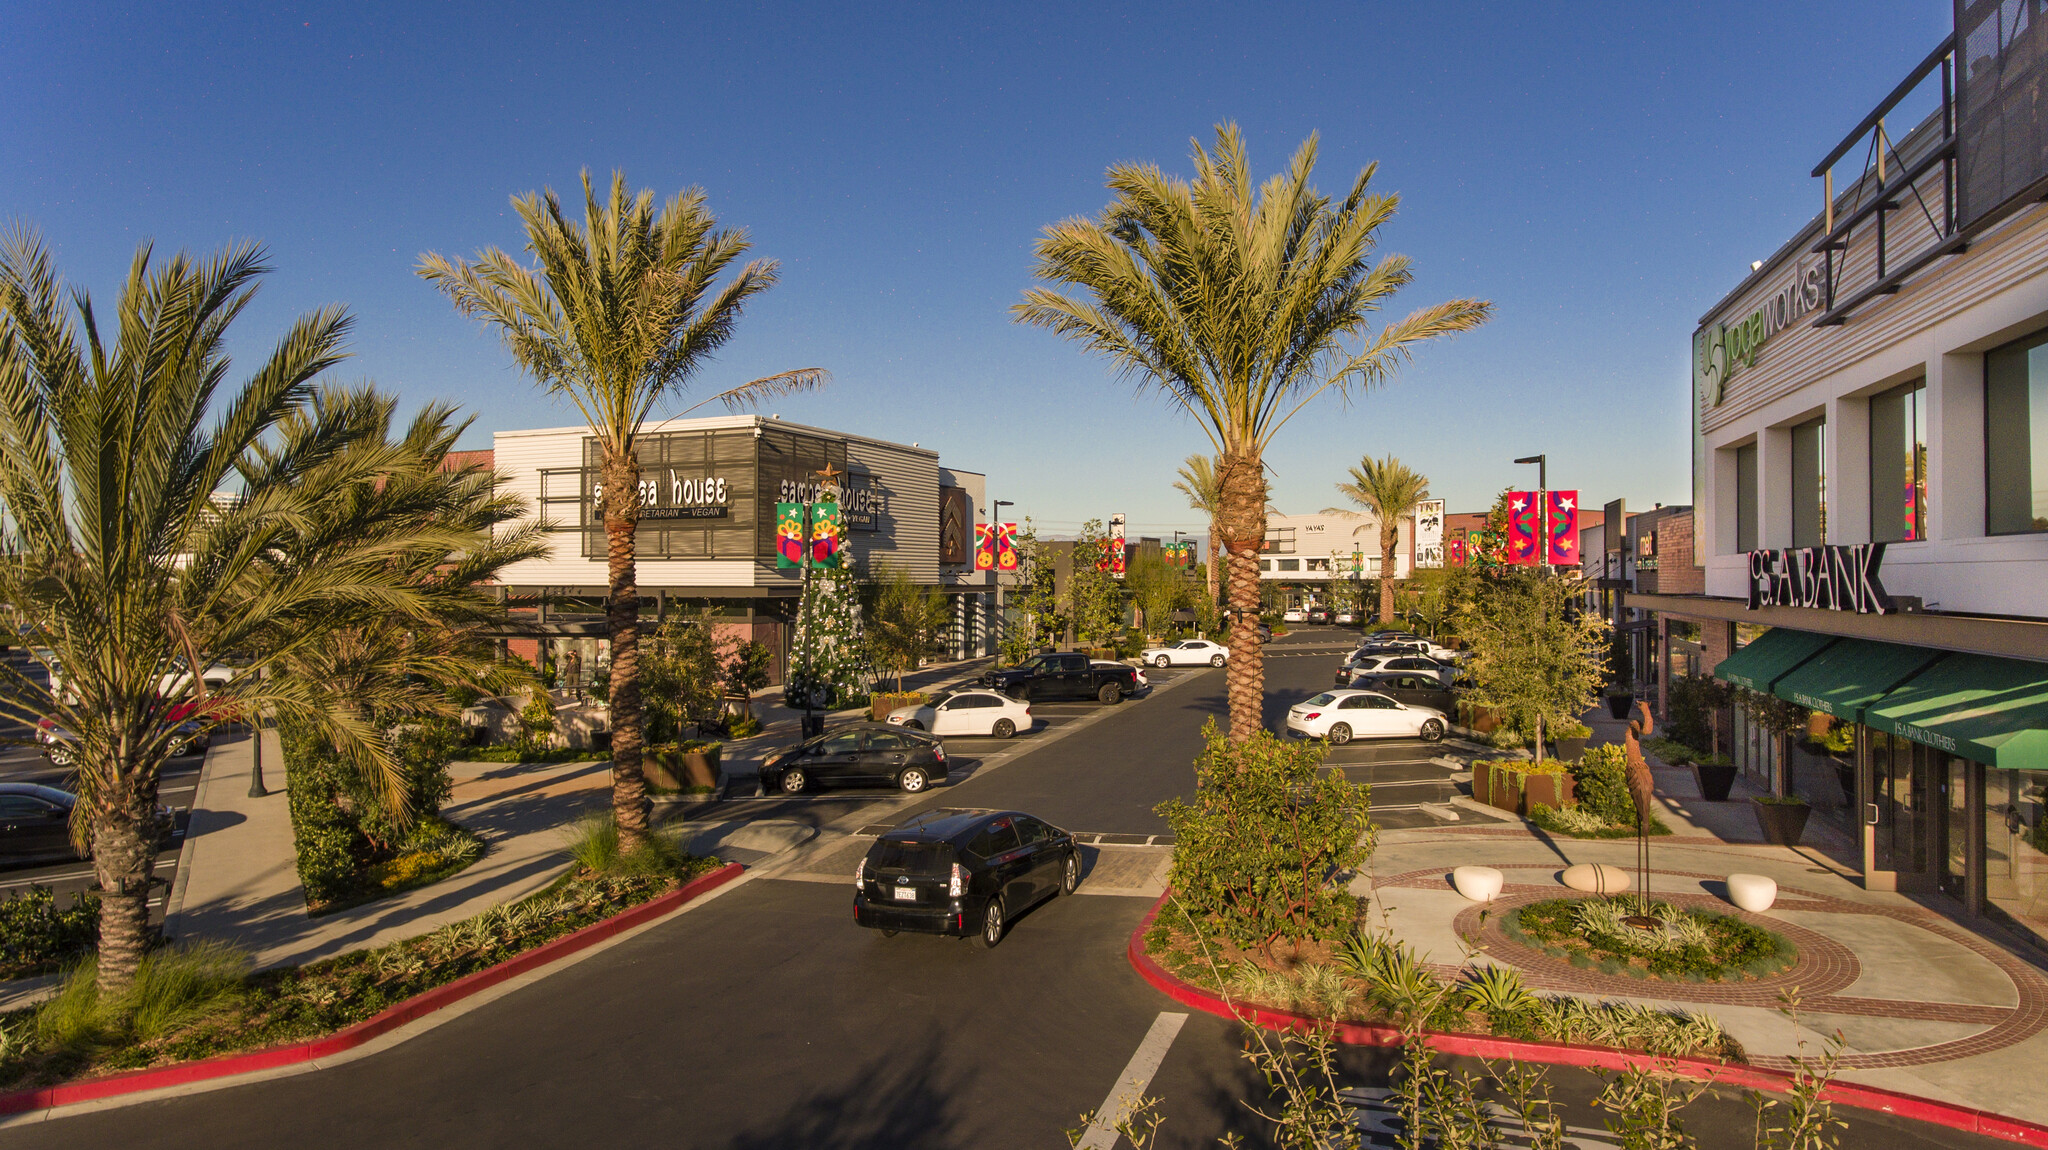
x: 963, y: 872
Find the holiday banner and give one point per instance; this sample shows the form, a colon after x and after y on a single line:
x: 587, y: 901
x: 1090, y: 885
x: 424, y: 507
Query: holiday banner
x: 1454, y: 551
x: 1006, y: 547
x: 789, y: 535
x: 1525, y: 529
x: 828, y: 532
x: 1116, y: 546
x: 1429, y: 533
x: 1561, y: 528
x: 984, y: 547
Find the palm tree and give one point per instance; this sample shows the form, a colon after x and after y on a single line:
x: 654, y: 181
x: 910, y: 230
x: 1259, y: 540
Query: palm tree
x: 143, y: 541
x: 1198, y: 482
x: 1241, y: 305
x: 622, y: 312
x: 1388, y: 490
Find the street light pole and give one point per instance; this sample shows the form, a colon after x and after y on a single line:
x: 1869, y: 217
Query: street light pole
x: 1542, y: 524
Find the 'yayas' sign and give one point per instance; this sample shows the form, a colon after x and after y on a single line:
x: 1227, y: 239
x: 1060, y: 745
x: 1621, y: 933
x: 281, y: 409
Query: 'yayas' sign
x: 1832, y: 578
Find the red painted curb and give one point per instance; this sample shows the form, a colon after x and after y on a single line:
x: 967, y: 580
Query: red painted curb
x: 390, y: 1018
x: 1597, y: 1057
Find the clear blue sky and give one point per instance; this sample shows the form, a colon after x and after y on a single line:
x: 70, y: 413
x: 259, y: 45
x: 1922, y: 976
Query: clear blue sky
x: 1603, y: 172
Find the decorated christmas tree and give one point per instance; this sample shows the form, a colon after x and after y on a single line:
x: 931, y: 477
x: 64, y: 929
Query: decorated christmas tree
x: 828, y: 662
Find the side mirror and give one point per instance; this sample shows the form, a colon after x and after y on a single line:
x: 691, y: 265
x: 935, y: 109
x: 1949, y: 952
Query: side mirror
x: 814, y: 749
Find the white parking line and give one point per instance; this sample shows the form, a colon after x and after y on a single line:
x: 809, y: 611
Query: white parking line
x: 1130, y: 1085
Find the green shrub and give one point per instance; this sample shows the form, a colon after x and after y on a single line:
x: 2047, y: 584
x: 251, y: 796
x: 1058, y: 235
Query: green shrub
x: 745, y: 727
x: 594, y: 846
x: 36, y: 937
x: 1258, y: 852
x: 173, y: 988
x: 330, y: 845
x: 1672, y: 751
x: 1696, y: 946
x: 1600, y: 782
x: 1696, y: 702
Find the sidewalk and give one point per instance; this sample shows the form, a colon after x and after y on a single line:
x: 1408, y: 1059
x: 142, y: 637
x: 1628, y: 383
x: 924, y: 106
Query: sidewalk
x: 239, y: 882
x: 1927, y: 1006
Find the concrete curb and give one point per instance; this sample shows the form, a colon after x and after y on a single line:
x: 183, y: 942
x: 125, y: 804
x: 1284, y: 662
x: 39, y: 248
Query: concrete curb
x: 1874, y: 1098
x: 389, y: 1019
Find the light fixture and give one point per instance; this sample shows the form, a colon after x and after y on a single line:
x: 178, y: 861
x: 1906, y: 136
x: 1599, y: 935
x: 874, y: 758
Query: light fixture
x: 1756, y: 265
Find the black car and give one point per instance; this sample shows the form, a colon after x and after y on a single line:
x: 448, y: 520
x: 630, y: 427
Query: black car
x: 963, y: 872
x: 862, y: 754
x: 1416, y: 688
x: 1064, y: 675
x: 1320, y: 615
x: 35, y: 822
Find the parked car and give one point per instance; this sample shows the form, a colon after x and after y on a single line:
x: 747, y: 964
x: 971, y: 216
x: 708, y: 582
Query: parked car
x: 1342, y: 617
x: 1320, y: 615
x: 1064, y: 675
x: 35, y: 823
x: 1112, y: 664
x: 1186, y: 653
x: 189, y: 737
x: 1361, y: 662
x: 1418, y: 688
x: 966, y: 713
x: 962, y: 872
x: 860, y: 754
x: 1341, y: 716
x: 1296, y: 615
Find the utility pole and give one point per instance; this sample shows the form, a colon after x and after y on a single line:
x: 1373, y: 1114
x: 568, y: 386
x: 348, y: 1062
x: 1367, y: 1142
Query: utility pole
x: 996, y: 623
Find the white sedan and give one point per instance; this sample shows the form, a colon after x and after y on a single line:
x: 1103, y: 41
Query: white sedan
x: 1186, y: 653
x: 966, y: 713
x: 1341, y: 716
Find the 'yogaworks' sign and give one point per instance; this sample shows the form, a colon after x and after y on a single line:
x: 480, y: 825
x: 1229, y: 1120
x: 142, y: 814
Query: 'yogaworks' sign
x: 1720, y: 349
x: 1831, y: 578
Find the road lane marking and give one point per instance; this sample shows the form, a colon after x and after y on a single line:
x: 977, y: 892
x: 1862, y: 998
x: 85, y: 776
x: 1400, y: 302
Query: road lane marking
x: 1130, y: 1086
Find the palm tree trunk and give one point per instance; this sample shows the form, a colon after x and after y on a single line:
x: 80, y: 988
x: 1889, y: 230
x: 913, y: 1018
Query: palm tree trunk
x: 621, y: 520
x: 1390, y: 537
x: 1242, y: 483
x: 1215, y: 564
x: 124, y: 858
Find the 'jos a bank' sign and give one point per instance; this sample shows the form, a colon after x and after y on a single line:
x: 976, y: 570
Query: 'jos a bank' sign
x: 1832, y: 578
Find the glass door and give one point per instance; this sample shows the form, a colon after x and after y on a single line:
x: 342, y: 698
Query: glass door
x: 1955, y: 805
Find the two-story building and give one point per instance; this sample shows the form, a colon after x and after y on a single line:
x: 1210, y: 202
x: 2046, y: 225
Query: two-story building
x: 1870, y: 451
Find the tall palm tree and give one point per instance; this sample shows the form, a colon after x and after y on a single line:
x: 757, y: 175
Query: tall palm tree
x: 143, y: 542
x: 622, y: 312
x: 1241, y: 305
x: 1388, y: 490
x: 1198, y: 482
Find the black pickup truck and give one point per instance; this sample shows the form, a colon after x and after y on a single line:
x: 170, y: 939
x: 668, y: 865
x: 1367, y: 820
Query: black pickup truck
x: 1066, y: 675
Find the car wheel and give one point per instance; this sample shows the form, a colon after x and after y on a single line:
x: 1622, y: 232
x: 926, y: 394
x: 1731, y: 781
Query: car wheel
x: 1432, y: 731
x: 1215, y: 660
x: 1340, y: 734
x: 1003, y: 729
x: 913, y: 780
x: 913, y: 724
x: 1070, y: 878
x: 888, y: 934
x: 794, y: 781
x: 1162, y: 662
x: 1110, y: 693
x: 991, y: 924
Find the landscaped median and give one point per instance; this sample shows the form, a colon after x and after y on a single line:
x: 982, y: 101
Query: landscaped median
x: 1489, y: 1046
x: 297, y: 1015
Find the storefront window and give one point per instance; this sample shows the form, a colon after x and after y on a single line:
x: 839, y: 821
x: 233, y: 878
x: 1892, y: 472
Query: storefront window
x: 1826, y: 778
x: 1898, y: 464
x: 1290, y: 564
x: 1901, y: 797
x: 2016, y: 848
x: 2016, y: 437
x: 1810, y: 484
x: 1745, y: 497
x: 1955, y: 791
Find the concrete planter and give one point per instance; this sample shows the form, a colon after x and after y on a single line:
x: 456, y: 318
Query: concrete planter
x: 1781, y: 823
x: 1519, y: 791
x: 1715, y: 781
x: 1570, y: 749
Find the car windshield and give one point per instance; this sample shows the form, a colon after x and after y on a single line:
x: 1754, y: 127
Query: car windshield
x: 1187, y: 644
x: 1322, y: 700
x: 916, y: 858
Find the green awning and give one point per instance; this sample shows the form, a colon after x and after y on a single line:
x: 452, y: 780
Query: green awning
x: 1988, y: 709
x: 1851, y: 675
x: 1769, y: 656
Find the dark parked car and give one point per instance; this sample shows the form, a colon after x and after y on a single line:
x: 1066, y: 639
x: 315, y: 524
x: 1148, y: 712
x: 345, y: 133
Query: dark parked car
x: 963, y: 872
x: 1320, y: 614
x: 862, y: 754
x: 1064, y: 675
x: 35, y: 823
x: 1416, y: 688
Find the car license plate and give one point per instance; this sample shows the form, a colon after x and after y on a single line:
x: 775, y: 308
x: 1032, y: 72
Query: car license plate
x: 904, y: 893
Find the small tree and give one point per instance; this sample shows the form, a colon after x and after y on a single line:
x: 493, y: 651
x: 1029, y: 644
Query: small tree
x: 1035, y: 601
x: 1159, y: 589
x: 1537, y: 658
x: 1095, y: 599
x: 1261, y: 852
x: 683, y: 672
x: 906, y: 623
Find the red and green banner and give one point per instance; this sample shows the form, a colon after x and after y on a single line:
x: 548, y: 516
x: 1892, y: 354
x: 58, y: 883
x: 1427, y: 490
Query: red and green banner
x: 789, y: 535
x: 1525, y: 529
x: 1006, y: 547
x: 1561, y: 527
x: 828, y: 533
x: 1454, y: 552
x: 984, y: 547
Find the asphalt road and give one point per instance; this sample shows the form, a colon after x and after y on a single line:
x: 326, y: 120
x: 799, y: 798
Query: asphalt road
x: 764, y: 1019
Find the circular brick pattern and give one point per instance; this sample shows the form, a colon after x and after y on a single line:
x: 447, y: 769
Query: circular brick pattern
x: 1824, y: 969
